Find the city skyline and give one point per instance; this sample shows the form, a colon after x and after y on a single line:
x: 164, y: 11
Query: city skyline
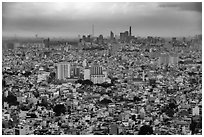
x: 73, y: 19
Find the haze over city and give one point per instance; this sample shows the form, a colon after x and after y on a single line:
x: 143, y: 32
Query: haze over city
x: 73, y: 19
x: 102, y: 68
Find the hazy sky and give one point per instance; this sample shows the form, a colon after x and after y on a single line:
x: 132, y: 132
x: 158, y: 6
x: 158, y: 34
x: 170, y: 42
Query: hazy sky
x: 72, y: 19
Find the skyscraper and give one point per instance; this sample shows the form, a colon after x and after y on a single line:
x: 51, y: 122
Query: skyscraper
x: 130, y: 31
x: 100, y: 39
x: 124, y: 36
x: 111, y: 35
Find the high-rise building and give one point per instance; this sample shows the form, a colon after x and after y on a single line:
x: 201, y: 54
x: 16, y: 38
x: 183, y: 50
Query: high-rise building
x: 63, y: 70
x: 100, y: 39
x: 75, y: 71
x: 111, y: 35
x: 87, y: 74
x: 124, y: 36
x: 96, y: 70
x: 97, y: 75
x: 130, y: 32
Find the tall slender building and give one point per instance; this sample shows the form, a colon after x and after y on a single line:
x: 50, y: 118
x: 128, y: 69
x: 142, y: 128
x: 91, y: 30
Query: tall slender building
x: 130, y: 31
x: 111, y: 35
x: 93, y: 30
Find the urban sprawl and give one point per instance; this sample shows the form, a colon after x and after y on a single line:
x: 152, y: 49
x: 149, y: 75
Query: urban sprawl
x: 123, y: 85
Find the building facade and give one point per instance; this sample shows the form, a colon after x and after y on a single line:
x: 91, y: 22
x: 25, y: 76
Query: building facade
x: 98, y: 79
x: 87, y: 74
x: 75, y: 72
x: 168, y: 60
x: 63, y: 70
x: 96, y: 70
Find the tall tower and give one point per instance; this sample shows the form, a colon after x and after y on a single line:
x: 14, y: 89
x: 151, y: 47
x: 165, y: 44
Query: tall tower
x: 93, y: 29
x: 130, y: 31
x: 111, y: 35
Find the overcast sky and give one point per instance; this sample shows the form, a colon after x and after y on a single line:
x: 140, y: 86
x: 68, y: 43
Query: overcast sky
x: 72, y: 19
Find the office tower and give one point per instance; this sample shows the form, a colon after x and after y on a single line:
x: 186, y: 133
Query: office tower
x: 130, y: 31
x: 100, y: 39
x: 87, y: 74
x: 63, y: 70
x: 122, y: 36
x: 111, y: 35
x: 126, y: 35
